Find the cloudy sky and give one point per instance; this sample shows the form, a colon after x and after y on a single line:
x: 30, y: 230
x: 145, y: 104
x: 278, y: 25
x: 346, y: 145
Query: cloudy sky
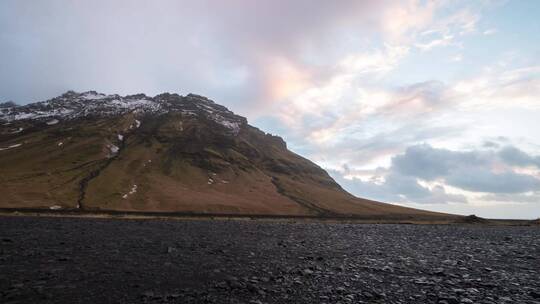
x: 430, y: 104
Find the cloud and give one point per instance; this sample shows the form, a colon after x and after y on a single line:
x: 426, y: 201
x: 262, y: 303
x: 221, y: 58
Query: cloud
x: 472, y: 170
x: 514, y: 156
x: 215, y: 48
x: 490, y: 144
x: 375, y: 62
x: 446, y: 31
x: 519, y: 198
x: 484, y: 180
x: 443, y: 41
x: 233, y: 51
x: 422, y: 174
x: 426, y: 162
x: 369, y: 148
x: 496, y: 87
x: 457, y: 58
x: 400, y: 189
x: 321, y: 114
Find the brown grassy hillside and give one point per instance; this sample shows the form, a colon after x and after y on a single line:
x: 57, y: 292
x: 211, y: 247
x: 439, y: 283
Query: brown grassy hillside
x: 169, y: 161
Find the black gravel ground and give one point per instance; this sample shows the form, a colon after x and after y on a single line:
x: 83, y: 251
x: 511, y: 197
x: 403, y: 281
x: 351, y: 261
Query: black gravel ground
x: 62, y: 260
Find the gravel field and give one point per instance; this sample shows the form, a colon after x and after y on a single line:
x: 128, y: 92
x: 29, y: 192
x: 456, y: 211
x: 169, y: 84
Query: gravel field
x: 68, y: 260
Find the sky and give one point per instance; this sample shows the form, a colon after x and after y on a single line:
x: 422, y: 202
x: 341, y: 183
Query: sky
x: 428, y: 104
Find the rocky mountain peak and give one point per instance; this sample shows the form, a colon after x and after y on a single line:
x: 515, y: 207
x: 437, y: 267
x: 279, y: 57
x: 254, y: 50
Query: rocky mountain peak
x: 73, y: 105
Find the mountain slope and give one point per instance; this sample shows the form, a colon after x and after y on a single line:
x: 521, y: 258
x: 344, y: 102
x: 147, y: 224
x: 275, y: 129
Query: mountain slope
x: 167, y: 153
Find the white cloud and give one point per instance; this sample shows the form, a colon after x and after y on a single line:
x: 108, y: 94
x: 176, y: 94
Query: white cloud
x: 403, y: 18
x: 531, y: 197
x: 443, y: 41
x: 457, y: 58
x: 378, y: 62
x: 499, y: 88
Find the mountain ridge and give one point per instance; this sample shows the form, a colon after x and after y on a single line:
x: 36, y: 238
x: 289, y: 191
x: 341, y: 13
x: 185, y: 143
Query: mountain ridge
x: 167, y: 153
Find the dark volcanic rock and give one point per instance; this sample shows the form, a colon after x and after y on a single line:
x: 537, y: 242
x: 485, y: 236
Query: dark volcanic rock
x: 60, y: 260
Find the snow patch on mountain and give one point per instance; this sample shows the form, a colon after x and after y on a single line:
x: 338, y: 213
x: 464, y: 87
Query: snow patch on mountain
x: 72, y: 105
x: 131, y: 192
x: 113, y: 149
x: 233, y: 126
x: 92, y: 95
x: 10, y: 147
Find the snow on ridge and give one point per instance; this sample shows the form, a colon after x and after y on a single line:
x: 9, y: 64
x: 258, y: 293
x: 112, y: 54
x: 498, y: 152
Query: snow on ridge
x: 69, y: 108
x: 113, y: 149
x: 72, y: 105
x: 133, y: 103
x: 131, y: 192
x: 10, y: 147
x: 231, y: 125
x: 93, y: 95
x: 217, y: 115
x: 19, y: 130
x: 29, y: 114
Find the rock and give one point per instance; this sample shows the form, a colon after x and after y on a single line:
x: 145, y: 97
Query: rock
x: 148, y: 294
x: 367, y: 294
x: 438, y: 272
x: 387, y: 269
x: 306, y: 272
x: 340, y: 290
x: 449, y: 262
x: 449, y: 299
x: 423, y: 281
x: 136, y: 274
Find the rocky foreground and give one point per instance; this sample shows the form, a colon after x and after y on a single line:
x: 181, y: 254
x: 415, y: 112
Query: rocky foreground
x: 54, y: 260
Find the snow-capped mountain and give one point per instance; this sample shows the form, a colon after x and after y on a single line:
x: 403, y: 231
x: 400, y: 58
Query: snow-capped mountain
x: 72, y: 105
x: 167, y: 153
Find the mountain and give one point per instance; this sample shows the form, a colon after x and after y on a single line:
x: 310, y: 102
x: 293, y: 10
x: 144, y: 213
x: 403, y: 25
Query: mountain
x: 168, y: 153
